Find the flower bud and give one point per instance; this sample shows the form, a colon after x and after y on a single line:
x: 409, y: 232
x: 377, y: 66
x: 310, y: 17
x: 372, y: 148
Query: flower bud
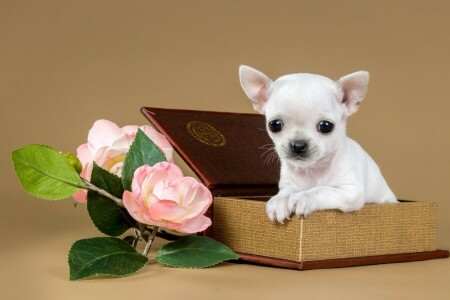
x: 74, y: 161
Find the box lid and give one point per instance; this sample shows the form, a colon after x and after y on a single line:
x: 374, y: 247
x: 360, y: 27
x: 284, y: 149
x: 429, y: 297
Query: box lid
x: 229, y: 152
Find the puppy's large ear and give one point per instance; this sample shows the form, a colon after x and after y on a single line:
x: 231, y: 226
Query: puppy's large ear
x: 353, y: 88
x: 256, y: 86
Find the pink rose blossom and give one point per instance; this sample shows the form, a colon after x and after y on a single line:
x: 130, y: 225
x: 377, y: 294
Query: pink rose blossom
x: 161, y: 196
x: 107, y: 146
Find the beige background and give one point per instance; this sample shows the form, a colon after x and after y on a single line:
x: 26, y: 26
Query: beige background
x: 64, y: 64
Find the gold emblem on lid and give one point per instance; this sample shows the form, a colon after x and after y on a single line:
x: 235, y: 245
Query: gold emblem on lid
x: 206, y: 133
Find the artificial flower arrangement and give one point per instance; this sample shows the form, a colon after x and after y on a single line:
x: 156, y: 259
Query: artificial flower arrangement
x: 128, y: 180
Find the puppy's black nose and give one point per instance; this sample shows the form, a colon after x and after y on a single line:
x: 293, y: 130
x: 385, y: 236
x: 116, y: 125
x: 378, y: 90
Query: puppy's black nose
x: 299, y: 147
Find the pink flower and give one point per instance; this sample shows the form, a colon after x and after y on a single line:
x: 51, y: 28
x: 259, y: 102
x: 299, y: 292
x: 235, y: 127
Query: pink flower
x: 161, y: 196
x: 107, y: 146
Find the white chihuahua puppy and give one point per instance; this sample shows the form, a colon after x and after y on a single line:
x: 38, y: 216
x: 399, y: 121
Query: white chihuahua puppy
x: 321, y: 168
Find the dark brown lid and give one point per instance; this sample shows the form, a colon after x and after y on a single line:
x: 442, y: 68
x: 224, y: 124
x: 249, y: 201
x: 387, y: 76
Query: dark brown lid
x: 227, y: 151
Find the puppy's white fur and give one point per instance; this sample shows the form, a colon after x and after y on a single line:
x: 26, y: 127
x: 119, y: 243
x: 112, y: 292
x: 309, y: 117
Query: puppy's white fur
x: 337, y: 173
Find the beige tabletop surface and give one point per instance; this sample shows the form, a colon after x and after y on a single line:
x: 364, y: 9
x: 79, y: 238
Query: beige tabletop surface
x: 65, y: 64
x: 34, y: 266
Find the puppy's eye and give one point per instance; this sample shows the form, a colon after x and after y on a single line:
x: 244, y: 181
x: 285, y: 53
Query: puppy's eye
x: 275, y: 125
x: 325, y: 127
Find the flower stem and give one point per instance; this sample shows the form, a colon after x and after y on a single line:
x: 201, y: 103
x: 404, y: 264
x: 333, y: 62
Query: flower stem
x: 150, y: 241
x: 143, y: 232
x: 104, y: 193
x: 137, y: 237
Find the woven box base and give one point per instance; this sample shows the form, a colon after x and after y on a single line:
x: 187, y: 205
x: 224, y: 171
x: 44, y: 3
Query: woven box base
x: 379, y: 233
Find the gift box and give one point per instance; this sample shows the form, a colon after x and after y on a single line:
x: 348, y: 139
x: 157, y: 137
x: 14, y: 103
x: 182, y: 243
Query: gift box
x: 232, y: 154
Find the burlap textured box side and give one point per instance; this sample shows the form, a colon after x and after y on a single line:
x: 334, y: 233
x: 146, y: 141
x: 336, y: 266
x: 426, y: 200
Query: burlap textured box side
x: 244, y: 227
x: 406, y: 227
x: 377, y: 229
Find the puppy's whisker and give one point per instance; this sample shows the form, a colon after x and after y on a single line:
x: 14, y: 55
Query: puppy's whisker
x: 271, y: 156
x: 268, y: 159
x: 275, y: 157
x: 266, y: 146
x: 268, y: 149
x: 268, y: 152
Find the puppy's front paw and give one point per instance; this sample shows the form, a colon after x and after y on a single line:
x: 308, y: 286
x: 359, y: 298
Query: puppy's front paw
x: 299, y: 203
x: 277, y: 209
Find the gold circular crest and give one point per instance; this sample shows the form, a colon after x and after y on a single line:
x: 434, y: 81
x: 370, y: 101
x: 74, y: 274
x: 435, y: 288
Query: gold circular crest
x: 206, y: 133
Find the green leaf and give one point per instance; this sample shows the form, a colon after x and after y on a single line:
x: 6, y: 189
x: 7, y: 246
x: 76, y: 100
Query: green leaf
x: 106, y: 181
x: 194, y: 252
x: 106, y: 215
x: 103, y: 256
x: 143, y: 151
x: 46, y: 173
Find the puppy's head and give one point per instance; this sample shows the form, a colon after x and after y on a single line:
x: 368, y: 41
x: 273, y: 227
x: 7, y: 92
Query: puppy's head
x: 305, y: 113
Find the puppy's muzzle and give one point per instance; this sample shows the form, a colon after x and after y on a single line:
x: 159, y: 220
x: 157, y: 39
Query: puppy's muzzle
x: 299, y: 148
